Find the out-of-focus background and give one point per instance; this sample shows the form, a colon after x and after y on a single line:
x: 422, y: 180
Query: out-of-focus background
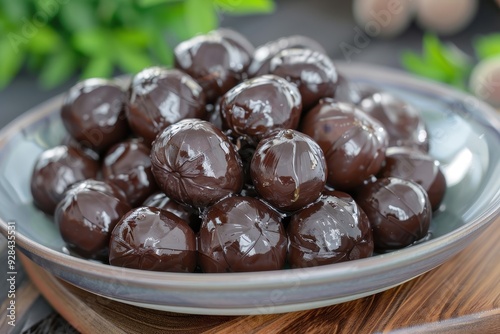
x: 46, y: 46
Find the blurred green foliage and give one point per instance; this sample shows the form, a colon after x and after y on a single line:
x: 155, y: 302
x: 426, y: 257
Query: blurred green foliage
x: 446, y: 63
x: 58, y: 38
x: 487, y: 46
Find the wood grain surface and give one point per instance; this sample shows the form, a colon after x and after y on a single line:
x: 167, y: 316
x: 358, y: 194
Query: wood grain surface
x: 460, y: 296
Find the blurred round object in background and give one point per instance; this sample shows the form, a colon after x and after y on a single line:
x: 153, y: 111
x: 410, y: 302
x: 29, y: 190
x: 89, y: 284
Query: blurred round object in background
x: 445, y: 17
x: 485, y: 81
x: 383, y: 18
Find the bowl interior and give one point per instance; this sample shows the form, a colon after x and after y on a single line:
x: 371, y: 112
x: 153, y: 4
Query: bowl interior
x: 462, y: 139
x: 464, y: 136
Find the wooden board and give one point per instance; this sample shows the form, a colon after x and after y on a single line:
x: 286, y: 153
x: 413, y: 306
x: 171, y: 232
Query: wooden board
x: 461, y: 296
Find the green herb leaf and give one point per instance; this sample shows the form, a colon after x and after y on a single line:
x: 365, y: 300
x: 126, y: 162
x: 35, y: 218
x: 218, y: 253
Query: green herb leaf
x: 435, y: 55
x: 106, y: 10
x: 10, y: 62
x: 134, y: 38
x: 98, y: 35
x: 98, y: 67
x: 46, y: 8
x: 245, y: 6
x: 44, y: 41
x: 92, y: 42
x: 416, y: 64
x: 459, y: 81
x: 16, y: 10
x: 132, y: 61
x: 161, y: 50
x: 4, y: 22
x: 57, y: 68
x: 438, y: 62
x: 128, y: 14
x: 150, y: 3
x: 200, y: 16
x: 174, y: 22
x: 78, y: 15
x: 487, y: 46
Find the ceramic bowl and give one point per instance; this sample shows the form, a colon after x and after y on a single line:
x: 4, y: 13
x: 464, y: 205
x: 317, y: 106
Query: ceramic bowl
x: 464, y: 138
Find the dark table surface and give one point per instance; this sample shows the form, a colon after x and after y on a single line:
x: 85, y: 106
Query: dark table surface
x: 329, y: 22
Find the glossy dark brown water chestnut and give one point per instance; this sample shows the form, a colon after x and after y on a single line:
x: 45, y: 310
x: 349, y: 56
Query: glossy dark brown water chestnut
x: 215, y: 61
x: 70, y: 141
x: 161, y: 201
x: 127, y: 165
x: 417, y: 166
x: 236, y: 39
x: 87, y: 215
x: 195, y: 163
x: 153, y: 239
x: 240, y: 234
x: 55, y: 170
x: 402, y: 121
x: 312, y: 71
x: 159, y: 97
x: 288, y: 170
x: 399, y: 212
x: 93, y: 113
x: 333, y: 229
x: 353, y: 142
x: 347, y: 91
x: 260, y: 105
x: 264, y: 53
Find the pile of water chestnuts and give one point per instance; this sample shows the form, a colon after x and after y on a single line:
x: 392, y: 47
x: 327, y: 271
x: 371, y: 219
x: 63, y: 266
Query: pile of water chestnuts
x: 238, y: 159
